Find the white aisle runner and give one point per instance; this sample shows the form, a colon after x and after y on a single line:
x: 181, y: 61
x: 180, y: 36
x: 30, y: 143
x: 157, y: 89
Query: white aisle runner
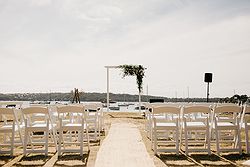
x: 123, y: 147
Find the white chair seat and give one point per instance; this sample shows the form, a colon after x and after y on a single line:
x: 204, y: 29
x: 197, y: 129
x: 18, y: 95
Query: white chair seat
x: 166, y: 124
x: 92, y: 113
x: 225, y: 125
x: 39, y: 115
x: 8, y: 128
x: 160, y: 116
x: 44, y: 125
x: 72, y: 124
x: 196, y: 125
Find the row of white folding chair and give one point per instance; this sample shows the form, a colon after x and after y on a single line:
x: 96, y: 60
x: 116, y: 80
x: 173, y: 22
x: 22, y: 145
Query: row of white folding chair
x: 216, y: 128
x: 38, y: 126
x: 94, y: 117
x: 175, y: 127
x: 31, y: 120
x: 70, y: 124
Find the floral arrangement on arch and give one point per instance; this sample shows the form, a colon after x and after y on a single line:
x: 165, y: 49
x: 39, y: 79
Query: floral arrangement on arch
x: 134, y: 70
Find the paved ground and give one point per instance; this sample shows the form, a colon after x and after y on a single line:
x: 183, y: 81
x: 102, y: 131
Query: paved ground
x: 123, y: 147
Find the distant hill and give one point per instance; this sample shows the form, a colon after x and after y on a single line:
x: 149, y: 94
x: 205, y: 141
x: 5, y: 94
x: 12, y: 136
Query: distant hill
x: 92, y: 97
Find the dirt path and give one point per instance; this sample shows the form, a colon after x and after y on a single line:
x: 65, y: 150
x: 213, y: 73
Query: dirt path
x: 123, y: 147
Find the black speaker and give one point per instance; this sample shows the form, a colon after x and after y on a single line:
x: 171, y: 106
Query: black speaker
x: 208, y: 77
x: 156, y: 100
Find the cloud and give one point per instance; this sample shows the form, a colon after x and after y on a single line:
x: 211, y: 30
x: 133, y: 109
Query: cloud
x: 40, y: 3
x: 69, y: 42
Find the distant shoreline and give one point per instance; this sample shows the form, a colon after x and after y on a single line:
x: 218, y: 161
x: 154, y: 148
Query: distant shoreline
x: 100, y: 97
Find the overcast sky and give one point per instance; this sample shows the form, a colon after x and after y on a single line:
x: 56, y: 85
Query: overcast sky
x: 57, y: 45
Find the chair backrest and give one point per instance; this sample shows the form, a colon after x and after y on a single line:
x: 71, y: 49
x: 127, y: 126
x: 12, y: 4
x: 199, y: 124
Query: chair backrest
x: 7, y: 113
x: 35, y: 110
x: 36, y: 115
x: 196, y: 109
x: 166, y: 114
x: 71, y: 113
x: 227, y: 113
x: 166, y: 109
x: 70, y: 109
x: 196, y: 112
x: 227, y: 109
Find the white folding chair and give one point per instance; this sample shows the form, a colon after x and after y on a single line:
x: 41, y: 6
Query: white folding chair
x: 149, y: 118
x: 11, y: 130
x: 38, y: 129
x: 72, y: 129
x: 245, y: 125
x: 226, y: 126
x: 94, y: 118
x: 196, y: 129
x: 148, y: 122
x: 165, y: 130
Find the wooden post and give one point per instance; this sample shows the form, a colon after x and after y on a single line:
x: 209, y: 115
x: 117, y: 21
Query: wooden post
x: 108, y: 89
x: 76, y: 96
x: 139, y: 101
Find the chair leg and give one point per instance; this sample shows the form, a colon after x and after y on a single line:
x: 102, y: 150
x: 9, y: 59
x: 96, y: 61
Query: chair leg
x: 60, y: 142
x: 181, y: 133
x: 12, y: 140
x: 247, y: 140
x: 217, y: 141
x: 95, y: 131
x: 81, y: 143
x: 239, y: 141
x: 46, y: 141
x: 25, y: 142
x: 186, y: 141
x: 208, y: 141
x: 155, y: 140
x: 54, y: 138
x: 12, y: 145
x: 87, y: 135
x: 177, y: 141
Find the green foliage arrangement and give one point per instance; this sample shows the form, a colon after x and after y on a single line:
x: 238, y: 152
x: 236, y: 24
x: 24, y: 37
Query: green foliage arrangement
x: 134, y: 70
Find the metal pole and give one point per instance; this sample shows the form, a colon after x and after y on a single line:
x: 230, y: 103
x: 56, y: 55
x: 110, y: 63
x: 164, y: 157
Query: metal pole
x: 207, y: 91
x: 107, y: 89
